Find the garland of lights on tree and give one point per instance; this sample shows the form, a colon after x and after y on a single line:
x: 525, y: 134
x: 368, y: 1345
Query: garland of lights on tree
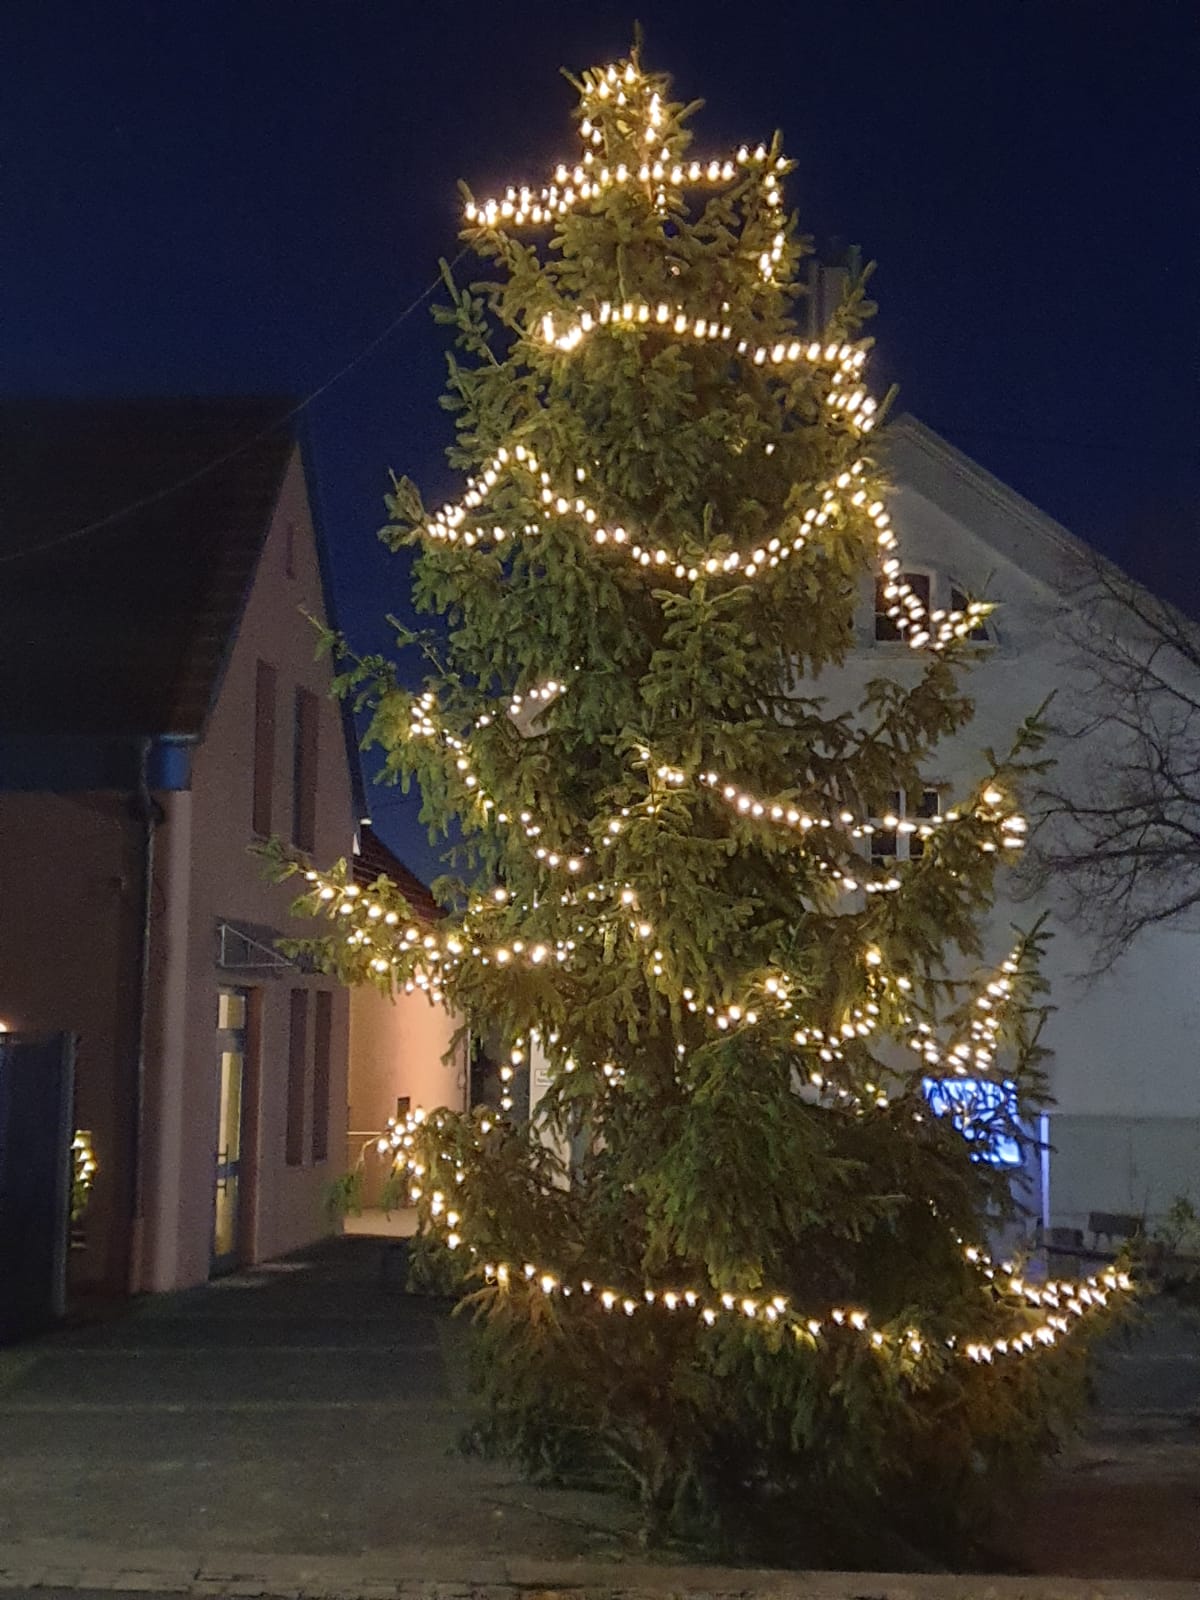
x: 670, y: 507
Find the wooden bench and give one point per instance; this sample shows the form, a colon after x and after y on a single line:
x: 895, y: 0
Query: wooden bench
x: 1113, y: 1226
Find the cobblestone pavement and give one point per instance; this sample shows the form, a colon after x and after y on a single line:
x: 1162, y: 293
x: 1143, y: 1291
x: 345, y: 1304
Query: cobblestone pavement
x: 293, y: 1431
x: 531, y: 1581
x: 300, y: 1409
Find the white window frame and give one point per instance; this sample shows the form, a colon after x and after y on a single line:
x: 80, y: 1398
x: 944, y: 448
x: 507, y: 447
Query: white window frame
x: 903, y: 826
x: 960, y: 598
x: 903, y: 576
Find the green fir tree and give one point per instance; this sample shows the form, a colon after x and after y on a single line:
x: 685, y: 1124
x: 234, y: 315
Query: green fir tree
x: 729, y: 1264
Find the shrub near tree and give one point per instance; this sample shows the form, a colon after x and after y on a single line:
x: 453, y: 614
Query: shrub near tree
x: 731, y: 1266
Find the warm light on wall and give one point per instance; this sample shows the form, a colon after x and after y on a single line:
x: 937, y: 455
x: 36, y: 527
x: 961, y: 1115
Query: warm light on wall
x: 84, y: 1168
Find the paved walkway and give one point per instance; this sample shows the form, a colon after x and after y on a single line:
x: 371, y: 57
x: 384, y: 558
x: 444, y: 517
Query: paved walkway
x: 1125, y: 1497
x: 301, y: 1408
x: 317, y: 1580
x: 294, y: 1430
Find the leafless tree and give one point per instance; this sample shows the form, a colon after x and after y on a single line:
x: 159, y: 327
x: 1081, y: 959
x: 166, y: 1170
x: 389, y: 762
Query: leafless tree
x: 1120, y: 829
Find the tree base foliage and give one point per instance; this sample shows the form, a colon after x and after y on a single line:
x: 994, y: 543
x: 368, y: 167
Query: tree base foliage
x: 773, y: 1456
x: 741, y: 1442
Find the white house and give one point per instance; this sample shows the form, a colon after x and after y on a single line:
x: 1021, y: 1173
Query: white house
x: 1124, y: 1128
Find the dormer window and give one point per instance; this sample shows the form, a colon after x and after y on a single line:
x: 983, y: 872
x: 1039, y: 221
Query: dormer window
x: 918, y: 601
x: 896, y: 598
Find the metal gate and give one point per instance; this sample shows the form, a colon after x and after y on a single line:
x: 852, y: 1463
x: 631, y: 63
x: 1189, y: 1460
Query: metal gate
x: 36, y: 1084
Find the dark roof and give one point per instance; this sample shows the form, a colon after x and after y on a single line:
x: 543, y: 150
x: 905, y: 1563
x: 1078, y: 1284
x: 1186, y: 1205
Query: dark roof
x: 375, y: 860
x: 125, y: 629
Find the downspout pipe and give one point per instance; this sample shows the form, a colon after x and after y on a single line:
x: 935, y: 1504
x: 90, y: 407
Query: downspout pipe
x: 149, y: 815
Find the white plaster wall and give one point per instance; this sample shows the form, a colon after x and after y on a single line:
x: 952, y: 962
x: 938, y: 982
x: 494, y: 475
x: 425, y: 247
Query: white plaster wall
x: 1125, y: 1068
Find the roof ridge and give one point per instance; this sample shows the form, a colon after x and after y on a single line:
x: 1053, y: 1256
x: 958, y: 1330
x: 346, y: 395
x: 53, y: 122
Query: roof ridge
x: 126, y: 633
x: 374, y: 859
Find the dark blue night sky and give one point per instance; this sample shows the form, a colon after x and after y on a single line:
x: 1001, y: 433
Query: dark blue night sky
x: 236, y: 195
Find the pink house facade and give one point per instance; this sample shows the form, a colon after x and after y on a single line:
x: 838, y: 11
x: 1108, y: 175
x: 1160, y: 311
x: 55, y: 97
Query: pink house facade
x: 165, y: 711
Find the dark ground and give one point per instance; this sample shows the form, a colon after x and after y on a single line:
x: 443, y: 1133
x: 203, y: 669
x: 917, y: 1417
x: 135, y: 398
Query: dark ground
x: 312, y: 1408
x: 304, y: 1407
x: 1124, y: 1500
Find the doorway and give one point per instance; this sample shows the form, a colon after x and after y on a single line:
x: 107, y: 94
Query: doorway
x: 232, y: 1029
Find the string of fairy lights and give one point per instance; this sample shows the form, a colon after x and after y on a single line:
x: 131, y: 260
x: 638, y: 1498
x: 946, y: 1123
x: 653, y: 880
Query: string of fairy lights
x: 1009, y: 827
x: 975, y: 1053
x: 1012, y: 825
x: 656, y: 168
x: 84, y: 1168
x: 1059, y: 1302
x: 375, y: 927
x: 590, y: 178
x: 430, y: 959
x: 624, y: 87
x: 397, y: 948
x: 936, y: 629
x: 844, y: 362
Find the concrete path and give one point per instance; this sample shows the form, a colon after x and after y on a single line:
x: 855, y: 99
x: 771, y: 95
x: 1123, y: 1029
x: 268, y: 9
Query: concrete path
x: 296, y: 1428
x: 1125, y: 1497
x: 301, y: 1408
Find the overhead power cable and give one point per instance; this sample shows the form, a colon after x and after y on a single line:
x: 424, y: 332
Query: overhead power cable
x: 113, y: 517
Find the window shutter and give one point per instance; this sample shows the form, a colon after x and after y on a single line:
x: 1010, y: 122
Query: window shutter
x: 322, y: 1051
x: 296, y: 1078
x: 304, y: 771
x: 264, y: 748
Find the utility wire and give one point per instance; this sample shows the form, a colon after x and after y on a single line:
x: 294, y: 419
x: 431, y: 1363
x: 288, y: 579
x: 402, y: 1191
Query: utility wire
x: 231, y: 455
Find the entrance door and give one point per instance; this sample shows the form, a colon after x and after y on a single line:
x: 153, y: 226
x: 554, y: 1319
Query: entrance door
x: 231, y: 1072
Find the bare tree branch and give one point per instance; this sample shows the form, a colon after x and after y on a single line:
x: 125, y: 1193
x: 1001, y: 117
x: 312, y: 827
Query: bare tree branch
x: 1119, y: 827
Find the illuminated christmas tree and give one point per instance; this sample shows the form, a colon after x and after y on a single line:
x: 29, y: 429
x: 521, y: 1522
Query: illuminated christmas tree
x: 731, y: 1260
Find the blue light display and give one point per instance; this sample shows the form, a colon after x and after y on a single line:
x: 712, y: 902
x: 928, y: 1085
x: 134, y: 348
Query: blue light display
x: 983, y: 1111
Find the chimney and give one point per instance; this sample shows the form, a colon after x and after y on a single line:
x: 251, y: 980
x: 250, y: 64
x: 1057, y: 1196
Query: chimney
x: 826, y: 288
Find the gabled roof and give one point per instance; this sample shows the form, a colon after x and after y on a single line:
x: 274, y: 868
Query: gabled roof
x: 374, y: 860
x: 124, y: 630
x: 1003, y: 518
